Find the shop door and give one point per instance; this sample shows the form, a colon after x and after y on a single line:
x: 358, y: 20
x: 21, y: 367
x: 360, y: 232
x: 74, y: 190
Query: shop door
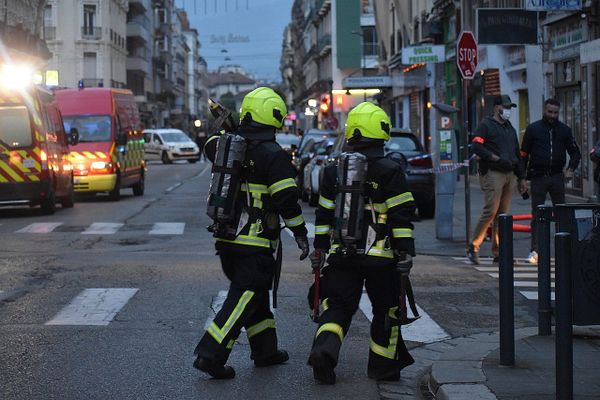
x: 570, y: 114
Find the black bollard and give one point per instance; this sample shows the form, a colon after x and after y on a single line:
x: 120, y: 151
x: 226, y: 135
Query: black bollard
x: 564, y: 317
x: 507, y: 312
x: 543, y: 220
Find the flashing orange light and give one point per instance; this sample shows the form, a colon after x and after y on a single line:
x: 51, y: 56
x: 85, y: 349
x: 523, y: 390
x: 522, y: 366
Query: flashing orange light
x: 324, y: 107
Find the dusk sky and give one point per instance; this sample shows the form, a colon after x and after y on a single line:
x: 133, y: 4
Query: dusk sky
x: 251, y: 31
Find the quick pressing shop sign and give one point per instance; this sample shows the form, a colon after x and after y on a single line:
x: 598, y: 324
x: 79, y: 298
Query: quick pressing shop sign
x: 423, y: 54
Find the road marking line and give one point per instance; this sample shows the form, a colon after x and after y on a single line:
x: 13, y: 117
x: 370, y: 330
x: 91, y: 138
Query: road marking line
x: 519, y: 275
x: 40, y: 227
x: 534, y: 295
x: 516, y: 269
x: 175, y: 186
x: 310, y: 227
x: 423, y: 330
x: 532, y: 284
x: 168, y: 228
x: 205, y: 170
x: 102, y: 228
x: 93, y: 307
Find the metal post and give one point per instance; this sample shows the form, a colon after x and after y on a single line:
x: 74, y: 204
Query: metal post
x: 465, y: 158
x: 564, y: 317
x: 507, y: 312
x: 543, y: 218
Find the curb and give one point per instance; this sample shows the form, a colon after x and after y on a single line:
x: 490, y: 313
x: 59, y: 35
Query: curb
x: 458, y: 373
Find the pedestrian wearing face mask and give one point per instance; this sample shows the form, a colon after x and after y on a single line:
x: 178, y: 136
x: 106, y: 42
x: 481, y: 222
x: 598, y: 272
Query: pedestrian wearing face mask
x: 500, y: 171
x: 544, y: 149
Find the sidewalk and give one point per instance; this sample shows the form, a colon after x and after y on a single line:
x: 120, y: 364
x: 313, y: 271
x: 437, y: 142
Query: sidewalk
x: 427, y: 243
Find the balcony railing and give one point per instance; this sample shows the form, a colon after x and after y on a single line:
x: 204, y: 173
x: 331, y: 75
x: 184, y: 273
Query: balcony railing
x: 49, y: 32
x: 93, y: 82
x: 91, y: 33
x: 324, y: 41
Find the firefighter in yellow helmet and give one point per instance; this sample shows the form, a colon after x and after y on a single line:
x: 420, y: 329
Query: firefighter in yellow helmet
x: 268, y: 191
x: 363, y: 223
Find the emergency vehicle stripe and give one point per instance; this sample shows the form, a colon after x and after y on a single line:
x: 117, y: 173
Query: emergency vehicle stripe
x: 400, y: 199
x: 333, y: 328
x: 322, y: 229
x: 11, y: 173
x: 219, y: 333
x: 293, y: 222
x: 89, y: 155
x: 326, y: 203
x: 260, y: 327
x: 100, y: 154
x: 19, y: 169
x: 282, y: 185
x: 3, y: 178
x: 390, y: 351
x: 402, y: 232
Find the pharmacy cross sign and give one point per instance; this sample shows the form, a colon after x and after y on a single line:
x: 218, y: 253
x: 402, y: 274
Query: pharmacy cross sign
x: 466, y: 54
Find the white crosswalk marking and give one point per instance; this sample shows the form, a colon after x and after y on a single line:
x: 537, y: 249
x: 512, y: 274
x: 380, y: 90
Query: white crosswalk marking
x: 40, y: 227
x: 168, y: 228
x: 93, y: 307
x: 102, y: 228
x: 515, y: 269
x: 534, y: 295
x: 520, y: 275
x: 423, y: 330
x: 310, y: 227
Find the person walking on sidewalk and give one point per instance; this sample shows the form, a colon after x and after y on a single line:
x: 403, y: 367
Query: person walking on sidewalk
x: 495, y: 142
x: 595, y: 158
x: 544, y: 146
x: 367, y: 195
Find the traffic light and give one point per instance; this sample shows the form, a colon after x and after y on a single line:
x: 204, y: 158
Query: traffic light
x: 325, y: 106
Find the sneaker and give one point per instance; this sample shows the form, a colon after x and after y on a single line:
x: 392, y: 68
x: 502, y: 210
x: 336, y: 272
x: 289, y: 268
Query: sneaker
x: 472, y: 255
x: 532, y: 258
x: 215, y: 370
x: 322, y: 368
x: 279, y: 357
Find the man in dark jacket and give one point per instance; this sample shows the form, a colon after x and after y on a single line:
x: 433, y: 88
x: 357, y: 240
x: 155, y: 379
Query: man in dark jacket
x: 595, y: 158
x: 268, y: 192
x: 495, y: 142
x: 374, y: 264
x: 544, y: 149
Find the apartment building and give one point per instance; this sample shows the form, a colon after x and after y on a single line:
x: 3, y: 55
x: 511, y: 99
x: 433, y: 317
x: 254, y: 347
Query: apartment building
x: 87, y: 40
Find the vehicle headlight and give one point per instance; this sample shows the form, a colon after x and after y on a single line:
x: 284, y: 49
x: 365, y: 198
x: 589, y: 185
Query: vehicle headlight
x: 100, y: 165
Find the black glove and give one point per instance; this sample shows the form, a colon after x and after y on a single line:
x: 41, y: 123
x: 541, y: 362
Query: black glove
x: 404, y: 263
x: 317, y: 258
x: 504, y: 165
x: 302, y: 242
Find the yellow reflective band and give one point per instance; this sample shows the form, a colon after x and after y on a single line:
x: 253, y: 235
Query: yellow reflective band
x: 325, y: 304
x: 219, y: 333
x: 333, y: 328
x: 261, y: 326
x: 293, y: 222
x: 230, y: 344
x: 326, y: 203
x: 248, y: 241
x: 255, y: 188
x: 402, y: 232
x: 322, y: 229
x: 377, y: 207
x: 282, y: 185
x: 390, y: 351
x: 392, y: 312
x: 378, y: 251
x: 400, y: 199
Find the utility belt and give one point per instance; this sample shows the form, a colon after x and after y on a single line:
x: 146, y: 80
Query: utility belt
x: 263, y: 223
x: 377, y: 243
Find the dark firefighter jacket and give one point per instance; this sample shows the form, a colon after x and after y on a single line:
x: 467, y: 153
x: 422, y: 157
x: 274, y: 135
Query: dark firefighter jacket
x: 492, y: 137
x: 268, y: 191
x: 387, y: 196
x: 544, y: 148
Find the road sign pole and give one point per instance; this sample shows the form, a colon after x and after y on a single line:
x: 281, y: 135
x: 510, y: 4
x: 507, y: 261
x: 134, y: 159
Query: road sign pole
x: 466, y: 160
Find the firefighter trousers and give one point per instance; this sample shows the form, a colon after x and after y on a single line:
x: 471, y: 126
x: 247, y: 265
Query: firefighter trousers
x: 247, y: 305
x: 387, y: 352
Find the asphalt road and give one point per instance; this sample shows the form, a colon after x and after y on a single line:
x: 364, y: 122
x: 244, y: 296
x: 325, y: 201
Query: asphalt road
x: 172, y: 281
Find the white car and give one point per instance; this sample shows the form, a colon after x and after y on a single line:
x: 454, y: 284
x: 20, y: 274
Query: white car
x: 169, y: 145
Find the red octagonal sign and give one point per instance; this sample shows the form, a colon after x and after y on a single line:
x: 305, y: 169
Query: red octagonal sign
x: 466, y: 54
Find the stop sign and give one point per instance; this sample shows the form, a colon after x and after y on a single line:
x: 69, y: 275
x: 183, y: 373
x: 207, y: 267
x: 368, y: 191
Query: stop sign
x: 466, y: 54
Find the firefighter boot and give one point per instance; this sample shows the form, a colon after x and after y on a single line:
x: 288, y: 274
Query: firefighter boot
x: 323, y: 366
x: 279, y: 357
x: 215, y: 370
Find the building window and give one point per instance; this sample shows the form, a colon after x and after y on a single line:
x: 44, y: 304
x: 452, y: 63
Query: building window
x: 367, y: 7
x: 89, y: 67
x: 369, y: 41
x: 89, y: 18
x: 49, y: 27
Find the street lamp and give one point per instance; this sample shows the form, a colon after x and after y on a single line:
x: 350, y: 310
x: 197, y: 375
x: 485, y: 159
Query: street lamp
x: 364, y: 60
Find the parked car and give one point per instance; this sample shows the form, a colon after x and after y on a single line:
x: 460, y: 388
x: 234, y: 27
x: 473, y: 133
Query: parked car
x: 312, y: 171
x: 169, y: 145
x: 422, y: 185
x: 288, y: 141
x: 405, y: 148
x: 306, y: 150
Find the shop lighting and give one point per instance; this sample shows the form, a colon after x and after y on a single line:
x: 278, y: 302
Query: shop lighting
x: 15, y: 77
x: 354, y: 92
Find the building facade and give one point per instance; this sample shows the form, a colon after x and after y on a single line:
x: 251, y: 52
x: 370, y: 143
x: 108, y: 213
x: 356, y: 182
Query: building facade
x: 22, y: 31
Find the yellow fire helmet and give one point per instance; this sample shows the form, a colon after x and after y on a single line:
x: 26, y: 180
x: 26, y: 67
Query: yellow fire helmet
x: 368, y: 121
x: 264, y: 106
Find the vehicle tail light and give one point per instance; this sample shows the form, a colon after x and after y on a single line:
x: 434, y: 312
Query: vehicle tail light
x: 44, y: 159
x: 421, y: 162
